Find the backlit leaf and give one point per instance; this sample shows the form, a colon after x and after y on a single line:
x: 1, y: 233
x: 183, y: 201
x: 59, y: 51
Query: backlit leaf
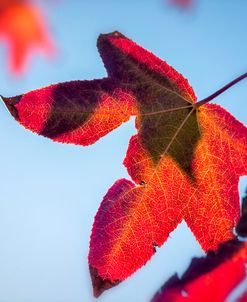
x: 212, y: 278
x: 185, y: 161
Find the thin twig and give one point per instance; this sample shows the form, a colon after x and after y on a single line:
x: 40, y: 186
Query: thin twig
x: 220, y: 91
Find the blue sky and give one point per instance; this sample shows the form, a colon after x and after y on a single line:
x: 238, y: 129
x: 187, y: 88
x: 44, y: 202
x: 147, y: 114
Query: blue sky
x: 50, y: 192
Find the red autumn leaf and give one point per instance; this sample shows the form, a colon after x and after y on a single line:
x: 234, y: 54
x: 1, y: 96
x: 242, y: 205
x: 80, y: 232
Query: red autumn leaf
x: 209, y: 279
x: 23, y: 28
x: 243, y: 298
x: 185, y: 161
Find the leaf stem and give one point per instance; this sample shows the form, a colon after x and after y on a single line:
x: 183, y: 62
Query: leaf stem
x: 220, y: 91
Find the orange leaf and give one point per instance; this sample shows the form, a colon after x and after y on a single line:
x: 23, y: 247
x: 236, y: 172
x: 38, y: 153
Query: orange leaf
x: 22, y: 27
x: 185, y: 161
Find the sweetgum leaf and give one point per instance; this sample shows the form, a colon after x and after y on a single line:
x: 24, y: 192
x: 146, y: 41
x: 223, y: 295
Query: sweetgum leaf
x: 185, y: 161
x: 211, y: 278
x: 22, y: 26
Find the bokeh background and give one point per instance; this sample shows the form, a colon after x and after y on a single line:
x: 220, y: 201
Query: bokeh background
x: 50, y: 192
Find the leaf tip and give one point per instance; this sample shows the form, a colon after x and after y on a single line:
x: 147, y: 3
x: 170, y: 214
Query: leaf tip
x: 99, y: 284
x: 10, y: 105
x: 106, y: 36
